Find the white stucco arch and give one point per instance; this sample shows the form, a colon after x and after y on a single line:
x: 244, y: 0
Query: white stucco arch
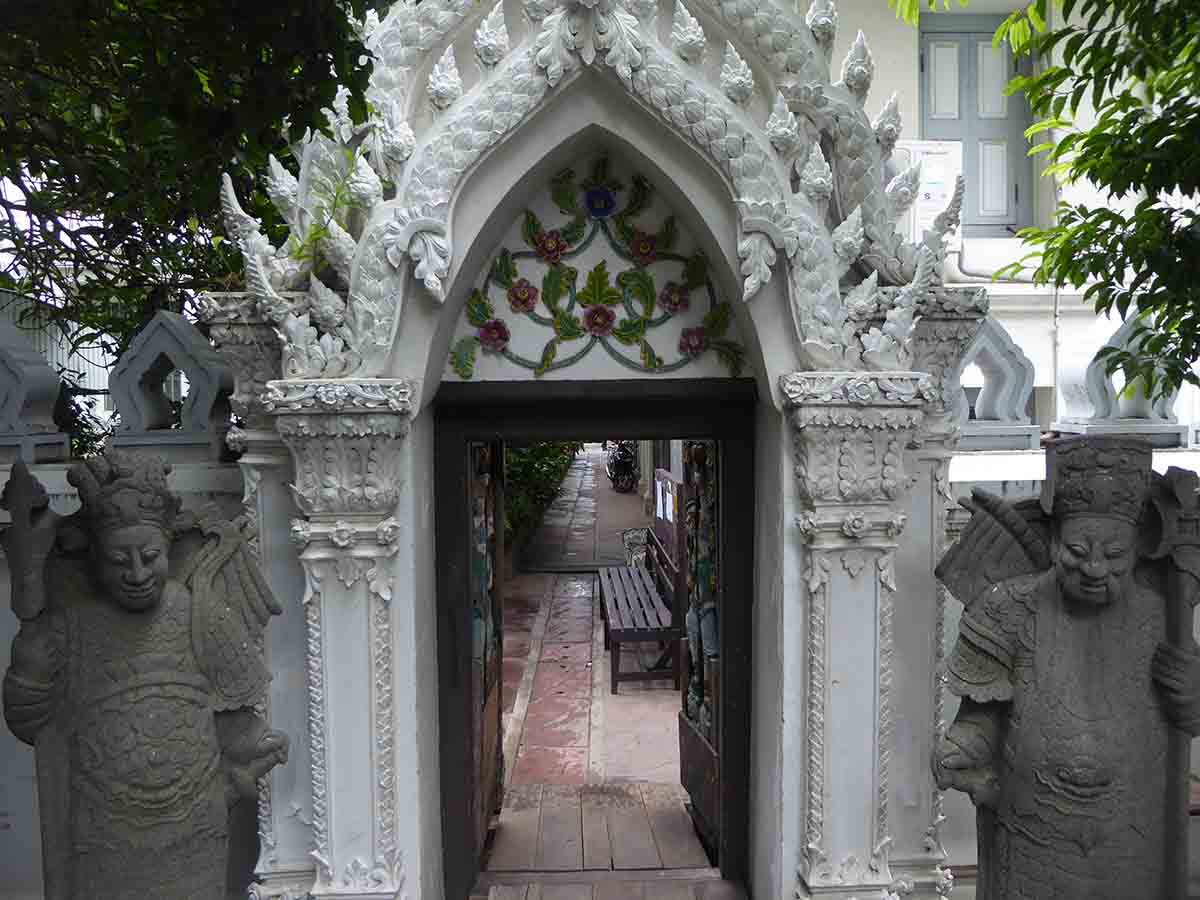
x: 593, y: 111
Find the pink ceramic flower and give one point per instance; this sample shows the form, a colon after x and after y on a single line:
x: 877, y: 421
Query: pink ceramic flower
x: 522, y: 296
x: 674, y: 298
x: 599, y: 320
x: 643, y: 247
x: 550, y: 246
x: 693, y: 341
x: 494, y: 335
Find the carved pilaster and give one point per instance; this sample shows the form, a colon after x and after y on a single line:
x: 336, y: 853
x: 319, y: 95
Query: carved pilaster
x: 851, y: 431
x: 345, y: 439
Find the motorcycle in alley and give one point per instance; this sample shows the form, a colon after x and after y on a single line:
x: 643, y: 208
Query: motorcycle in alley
x: 622, y: 465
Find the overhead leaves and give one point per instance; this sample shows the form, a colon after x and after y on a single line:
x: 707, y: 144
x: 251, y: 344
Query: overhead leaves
x: 640, y: 285
x: 531, y: 227
x: 504, y: 269
x: 567, y: 327
x: 716, y: 320
x: 549, y: 352
x: 479, y: 309
x: 597, y: 291
x: 462, y: 356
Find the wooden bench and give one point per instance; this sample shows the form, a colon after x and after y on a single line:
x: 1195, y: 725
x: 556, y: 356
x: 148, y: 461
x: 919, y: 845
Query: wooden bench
x: 634, y: 613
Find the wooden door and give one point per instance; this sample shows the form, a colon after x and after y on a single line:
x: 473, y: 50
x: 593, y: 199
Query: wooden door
x: 700, y: 716
x: 487, y: 585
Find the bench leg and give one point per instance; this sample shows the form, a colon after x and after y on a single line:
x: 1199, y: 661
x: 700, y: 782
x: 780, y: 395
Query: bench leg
x: 616, y: 664
x: 677, y: 648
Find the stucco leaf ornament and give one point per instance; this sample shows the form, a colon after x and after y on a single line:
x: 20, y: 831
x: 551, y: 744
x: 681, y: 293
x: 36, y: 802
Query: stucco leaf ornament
x: 888, y: 126
x: 420, y: 235
x: 902, y: 190
x: 783, y: 129
x: 491, y: 38
x: 821, y: 19
x: 889, y: 346
x: 816, y: 177
x: 687, y: 37
x: 758, y: 258
x: 858, y: 69
x: 325, y: 306
x: 445, y: 84
x: 737, y: 81
x: 589, y: 27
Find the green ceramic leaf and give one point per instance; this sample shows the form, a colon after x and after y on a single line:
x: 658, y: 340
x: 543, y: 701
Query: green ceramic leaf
x: 695, y: 271
x: 716, y: 322
x: 575, y: 231
x: 667, y: 234
x: 531, y: 227
x: 597, y: 291
x: 548, y: 354
x: 731, y: 353
x: 564, y: 194
x: 650, y: 359
x: 567, y: 327
x: 640, y: 285
x: 462, y: 357
x: 630, y: 331
x: 504, y: 270
x: 479, y: 309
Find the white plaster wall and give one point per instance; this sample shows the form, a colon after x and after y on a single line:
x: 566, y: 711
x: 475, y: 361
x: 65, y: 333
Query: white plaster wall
x: 200, y: 485
x: 895, y: 48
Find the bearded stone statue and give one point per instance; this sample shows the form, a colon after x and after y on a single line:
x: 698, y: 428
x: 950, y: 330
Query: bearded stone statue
x: 134, y: 676
x: 1079, y: 677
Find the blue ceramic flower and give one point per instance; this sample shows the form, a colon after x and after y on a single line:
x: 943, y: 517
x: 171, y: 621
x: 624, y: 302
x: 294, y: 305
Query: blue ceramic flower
x: 601, y: 202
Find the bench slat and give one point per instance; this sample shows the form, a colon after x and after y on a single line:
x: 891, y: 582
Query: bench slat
x: 645, y: 599
x: 636, y: 615
x: 660, y: 608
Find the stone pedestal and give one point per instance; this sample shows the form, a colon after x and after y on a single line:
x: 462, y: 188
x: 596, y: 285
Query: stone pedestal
x: 345, y: 439
x: 851, y: 432
x: 250, y: 347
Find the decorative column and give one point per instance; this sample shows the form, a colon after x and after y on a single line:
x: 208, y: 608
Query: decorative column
x: 951, y: 318
x: 250, y: 346
x: 851, y: 430
x: 345, y: 438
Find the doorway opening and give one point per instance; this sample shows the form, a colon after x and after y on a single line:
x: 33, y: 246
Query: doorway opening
x: 555, y: 773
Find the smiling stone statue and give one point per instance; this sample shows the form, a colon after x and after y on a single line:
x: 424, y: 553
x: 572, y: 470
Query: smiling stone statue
x: 133, y: 675
x: 1079, y: 679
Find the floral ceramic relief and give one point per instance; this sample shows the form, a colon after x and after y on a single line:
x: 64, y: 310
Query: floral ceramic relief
x: 608, y: 275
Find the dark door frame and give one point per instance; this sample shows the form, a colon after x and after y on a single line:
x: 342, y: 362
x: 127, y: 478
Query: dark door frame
x: 719, y: 409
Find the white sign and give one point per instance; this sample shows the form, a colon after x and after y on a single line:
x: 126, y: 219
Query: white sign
x: 941, y: 164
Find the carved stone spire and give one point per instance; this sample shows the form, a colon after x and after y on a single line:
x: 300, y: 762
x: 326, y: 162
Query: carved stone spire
x: 687, y: 37
x: 822, y: 21
x: 491, y: 38
x: 902, y: 190
x: 816, y: 178
x: 737, y: 81
x: 858, y: 69
x: 888, y: 126
x: 445, y: 84
x: 782, y: 128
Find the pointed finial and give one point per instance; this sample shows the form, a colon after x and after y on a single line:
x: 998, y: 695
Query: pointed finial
x: 816, y: 178
x: 782, y: 128
x: 445, y: 84
x: 888, y: 126
x: 848, y: 237
x: 902, y: 190
x: 687, y: 37
x: 822, y: 22
x: 737, y: 81
x: 491, y: 38
x: 858, y: 69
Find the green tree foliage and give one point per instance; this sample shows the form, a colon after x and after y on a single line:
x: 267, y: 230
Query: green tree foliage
x: 1136, y: 64
x: 532, y: 478
x: 117, y: 118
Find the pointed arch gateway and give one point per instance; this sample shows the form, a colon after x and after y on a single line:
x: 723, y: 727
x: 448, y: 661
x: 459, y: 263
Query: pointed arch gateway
x: 769, y: 160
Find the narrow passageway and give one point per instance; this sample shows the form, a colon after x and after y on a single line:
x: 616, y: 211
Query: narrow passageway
x: 592, y: 778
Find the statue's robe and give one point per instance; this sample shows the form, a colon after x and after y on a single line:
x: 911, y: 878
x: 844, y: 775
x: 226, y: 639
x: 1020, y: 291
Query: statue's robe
x: 1082, y: 756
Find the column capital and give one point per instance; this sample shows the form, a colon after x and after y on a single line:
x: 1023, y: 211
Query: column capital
x: 851, y: 430
x: 345, y: 438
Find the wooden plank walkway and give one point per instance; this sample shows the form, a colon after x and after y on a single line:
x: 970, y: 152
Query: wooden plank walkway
x: 706, y: 887
x: 597, y: 828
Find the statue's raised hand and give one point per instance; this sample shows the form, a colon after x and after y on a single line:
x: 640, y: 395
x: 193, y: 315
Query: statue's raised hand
x: 1176, y: 671
x: 29, y: 540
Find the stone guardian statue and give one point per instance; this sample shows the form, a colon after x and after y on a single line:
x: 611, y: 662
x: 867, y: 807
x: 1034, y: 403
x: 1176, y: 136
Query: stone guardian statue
x: 1079, y: 678
x: 134, y: 676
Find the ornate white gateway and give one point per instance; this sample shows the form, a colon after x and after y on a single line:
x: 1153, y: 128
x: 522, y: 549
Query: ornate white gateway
x: 404, y: 267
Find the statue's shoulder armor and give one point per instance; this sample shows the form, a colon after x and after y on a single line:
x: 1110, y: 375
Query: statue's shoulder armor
x: 990, y: 636
x: 231, y: 605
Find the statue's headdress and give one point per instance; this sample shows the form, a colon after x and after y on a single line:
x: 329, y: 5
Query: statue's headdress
x: 122, y: 488
x: 1097, y: 476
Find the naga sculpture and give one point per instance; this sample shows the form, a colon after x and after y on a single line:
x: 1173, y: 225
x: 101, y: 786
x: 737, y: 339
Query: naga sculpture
x: 1079, y: 677
x: 133, y: 675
